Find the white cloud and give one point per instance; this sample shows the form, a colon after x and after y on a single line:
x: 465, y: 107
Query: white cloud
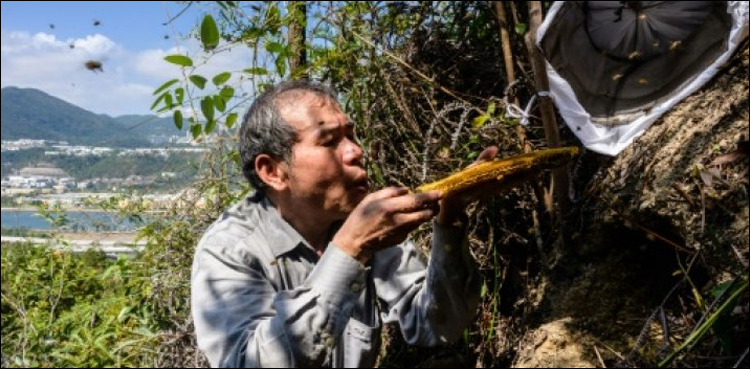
x: 128, y: 79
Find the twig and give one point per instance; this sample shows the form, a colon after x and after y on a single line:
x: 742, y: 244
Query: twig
x: 178, y: 14
x: 599, y: 356
x: 418, y: 73
x: 619, y: 355
x: 741, y: 359
x: 644, y: 331
x: 551, y: 132
x: 713, y: 304
x: 737, y: 253
x: 650, y: 232
x: 664, y: 325
x: 683, y: 194
x: 703, y: 211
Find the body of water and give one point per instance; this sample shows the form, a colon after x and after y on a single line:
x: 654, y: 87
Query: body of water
x: 76, y: 221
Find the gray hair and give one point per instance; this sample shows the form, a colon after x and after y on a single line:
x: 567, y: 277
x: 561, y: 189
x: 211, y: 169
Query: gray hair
x: 264, y: 131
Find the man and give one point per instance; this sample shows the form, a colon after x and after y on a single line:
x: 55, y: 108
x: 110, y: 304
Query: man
x: 305, y: 270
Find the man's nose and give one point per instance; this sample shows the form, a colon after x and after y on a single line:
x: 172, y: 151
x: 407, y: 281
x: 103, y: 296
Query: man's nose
x: 353, y: 153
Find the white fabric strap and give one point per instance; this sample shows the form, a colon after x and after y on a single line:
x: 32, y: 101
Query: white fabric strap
x: 514, y: 111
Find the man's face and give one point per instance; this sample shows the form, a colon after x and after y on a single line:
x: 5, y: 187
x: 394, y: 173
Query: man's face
x: 326, y: 169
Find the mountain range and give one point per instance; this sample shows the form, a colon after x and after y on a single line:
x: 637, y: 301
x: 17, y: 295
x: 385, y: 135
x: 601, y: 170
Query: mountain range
x: 34, y: 114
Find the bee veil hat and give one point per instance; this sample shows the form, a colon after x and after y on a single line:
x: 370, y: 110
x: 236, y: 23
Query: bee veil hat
x: 616, y: 66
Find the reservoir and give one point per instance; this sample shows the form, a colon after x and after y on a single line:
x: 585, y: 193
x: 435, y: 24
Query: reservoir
x: 75, y: 221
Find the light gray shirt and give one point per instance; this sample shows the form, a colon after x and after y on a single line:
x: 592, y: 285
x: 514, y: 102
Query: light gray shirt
x: 261, y: 296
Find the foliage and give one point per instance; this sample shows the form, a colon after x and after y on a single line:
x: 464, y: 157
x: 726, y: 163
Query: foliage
x: 112, y: 165
x: 66, y: 310
x: 61, y: 309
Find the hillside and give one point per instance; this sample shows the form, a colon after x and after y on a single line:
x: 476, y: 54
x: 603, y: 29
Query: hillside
x: 33, y: 114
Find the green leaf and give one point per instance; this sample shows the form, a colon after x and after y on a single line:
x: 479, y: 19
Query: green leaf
x: 207, y: 107
x: 210, y: 125
x: 124, y: 312
x: 181, y: 60
x: 281, y: 66
x: 209, y: 33
x: 720, y: 288
x: 521, y: 29
x: 275, y: 47
x: 231, y: 119
x: 177, y: 119
x: 168, y: 104
x: 220, y: 103
x: 257, y: 71
x: 491, y: 109
x: 198, y: 81
x: 227, y: 93
x: 165, y: 86
x: 273, y: 16
x: 221, y: 78
x: 479, y: 121
x: 195, y: 129
x: 158, y: 100
x: 179, y: 93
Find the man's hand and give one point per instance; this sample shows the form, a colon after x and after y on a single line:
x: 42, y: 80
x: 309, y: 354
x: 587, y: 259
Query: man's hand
x: 383, y: 219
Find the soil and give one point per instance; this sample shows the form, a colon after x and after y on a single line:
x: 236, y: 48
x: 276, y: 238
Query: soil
x: 679, y: 194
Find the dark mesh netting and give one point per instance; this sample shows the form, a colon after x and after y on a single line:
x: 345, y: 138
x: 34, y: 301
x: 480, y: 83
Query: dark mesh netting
x: 624, y: 56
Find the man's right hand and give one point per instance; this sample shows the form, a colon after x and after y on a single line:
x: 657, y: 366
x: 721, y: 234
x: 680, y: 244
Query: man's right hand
x: 384, y: 218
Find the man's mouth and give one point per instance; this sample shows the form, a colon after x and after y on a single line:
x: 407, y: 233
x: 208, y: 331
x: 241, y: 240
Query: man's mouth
x: 362, y: 184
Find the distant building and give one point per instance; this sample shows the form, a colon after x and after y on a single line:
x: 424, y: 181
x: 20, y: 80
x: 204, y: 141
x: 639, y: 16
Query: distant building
x: 43, y: 170
x: 39, y: 177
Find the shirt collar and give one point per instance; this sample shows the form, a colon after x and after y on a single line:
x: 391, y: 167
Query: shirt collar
x: 282, y: 237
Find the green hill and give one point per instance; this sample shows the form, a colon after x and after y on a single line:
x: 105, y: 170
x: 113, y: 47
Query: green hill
x: 33, y: 114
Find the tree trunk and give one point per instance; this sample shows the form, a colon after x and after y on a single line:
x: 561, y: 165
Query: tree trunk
x: 551, y: 133
x: 296, y: 39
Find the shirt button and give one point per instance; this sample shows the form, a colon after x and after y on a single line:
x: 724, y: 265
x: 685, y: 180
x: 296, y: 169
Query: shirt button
x: 356, y: 287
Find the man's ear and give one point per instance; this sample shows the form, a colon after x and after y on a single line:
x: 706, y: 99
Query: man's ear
x: 272, y: 172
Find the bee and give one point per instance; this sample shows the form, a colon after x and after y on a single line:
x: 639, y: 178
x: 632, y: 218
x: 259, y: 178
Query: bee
x: 94, y: 66
x: 97, y: 22
x: 51, y: 26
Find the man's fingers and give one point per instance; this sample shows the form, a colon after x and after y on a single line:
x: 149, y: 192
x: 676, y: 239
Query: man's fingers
x: 415, y: 218
x: 488, y: 154
x: 388, y: 192
x: 413, y: 201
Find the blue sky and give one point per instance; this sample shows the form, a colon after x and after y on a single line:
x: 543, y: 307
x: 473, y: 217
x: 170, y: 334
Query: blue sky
x: 129, y: 41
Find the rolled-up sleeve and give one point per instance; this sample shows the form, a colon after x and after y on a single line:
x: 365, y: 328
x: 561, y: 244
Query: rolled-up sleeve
x: 241, y: 320
x: 432, y: 304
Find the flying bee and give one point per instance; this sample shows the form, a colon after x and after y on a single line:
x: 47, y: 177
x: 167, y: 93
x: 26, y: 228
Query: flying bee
x: 674, y: 45
x: 94, y: 66
x: 97, y: 22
